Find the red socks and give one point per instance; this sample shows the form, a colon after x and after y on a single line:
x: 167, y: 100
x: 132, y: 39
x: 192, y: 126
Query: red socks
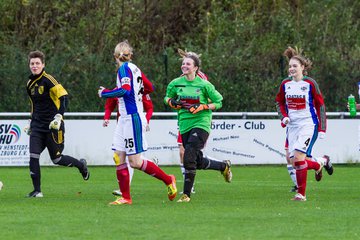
x: 150, y: 168
x: 301, y: 176
x: 122, y: 174
x: 313, y: 165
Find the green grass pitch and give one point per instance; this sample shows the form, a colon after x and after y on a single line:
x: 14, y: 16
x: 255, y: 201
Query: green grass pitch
x: 256, y: 205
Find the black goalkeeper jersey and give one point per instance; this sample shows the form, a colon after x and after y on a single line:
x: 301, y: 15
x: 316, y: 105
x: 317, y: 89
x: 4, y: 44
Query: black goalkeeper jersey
x: 47, y: 97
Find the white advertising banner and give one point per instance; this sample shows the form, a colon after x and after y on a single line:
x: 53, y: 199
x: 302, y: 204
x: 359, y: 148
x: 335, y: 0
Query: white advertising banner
x: 14, y: 146
x: 243, y: 141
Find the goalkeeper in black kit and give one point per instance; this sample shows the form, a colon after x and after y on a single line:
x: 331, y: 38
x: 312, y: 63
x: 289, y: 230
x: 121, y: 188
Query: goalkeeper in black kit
x: 48, y: 100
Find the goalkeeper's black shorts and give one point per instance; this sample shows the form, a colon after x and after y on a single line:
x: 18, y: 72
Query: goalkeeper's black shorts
x: 53, y: 141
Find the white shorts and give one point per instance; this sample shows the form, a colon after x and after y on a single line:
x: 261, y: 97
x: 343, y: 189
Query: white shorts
x: 301, y: 138
x: 129, y: 134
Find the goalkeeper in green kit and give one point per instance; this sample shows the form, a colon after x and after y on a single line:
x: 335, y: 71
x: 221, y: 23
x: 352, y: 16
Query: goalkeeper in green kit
x: 194, y: 99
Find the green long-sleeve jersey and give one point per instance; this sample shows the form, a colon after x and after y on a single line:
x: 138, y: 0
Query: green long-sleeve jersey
x: 195, y: 91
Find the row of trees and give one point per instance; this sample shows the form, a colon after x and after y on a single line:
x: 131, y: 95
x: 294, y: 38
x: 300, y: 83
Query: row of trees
x: 241, y: 43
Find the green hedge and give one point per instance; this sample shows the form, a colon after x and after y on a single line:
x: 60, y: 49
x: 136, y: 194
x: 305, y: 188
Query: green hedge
x: 241, y: 43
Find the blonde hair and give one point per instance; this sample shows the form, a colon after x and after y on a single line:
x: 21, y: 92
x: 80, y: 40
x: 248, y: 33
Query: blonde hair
x: 184, y: 53
x: 296, y: 53
x: 123, y: 51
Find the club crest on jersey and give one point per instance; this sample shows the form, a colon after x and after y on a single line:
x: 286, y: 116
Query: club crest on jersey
x: 198, y: 90
x: 125, y: 81
x: 41, y: 89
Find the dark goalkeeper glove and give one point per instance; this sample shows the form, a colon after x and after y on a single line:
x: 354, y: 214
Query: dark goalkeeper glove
x: 195, y: 108
x: 174, y: 104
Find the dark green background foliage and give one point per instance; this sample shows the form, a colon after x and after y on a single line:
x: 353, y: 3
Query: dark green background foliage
x: 241, y: 43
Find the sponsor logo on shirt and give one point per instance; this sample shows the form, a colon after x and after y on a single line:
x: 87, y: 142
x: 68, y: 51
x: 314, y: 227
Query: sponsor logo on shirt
x: 295, y: 96
x: 125, y: 81
x: 296, y: 102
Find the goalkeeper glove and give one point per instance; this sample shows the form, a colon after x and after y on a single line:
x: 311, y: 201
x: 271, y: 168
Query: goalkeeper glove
x: 27, y: 128
x: 285, y: 121
x: 174, y: 104
x: 195, y: 108
x: 56, y: 123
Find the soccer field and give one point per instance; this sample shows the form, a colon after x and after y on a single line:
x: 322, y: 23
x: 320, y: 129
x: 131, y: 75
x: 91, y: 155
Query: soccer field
x: 256, y: 205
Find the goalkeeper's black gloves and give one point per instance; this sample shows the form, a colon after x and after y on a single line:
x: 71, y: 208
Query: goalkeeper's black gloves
x: 174, y: 104
x: 197, y: 107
